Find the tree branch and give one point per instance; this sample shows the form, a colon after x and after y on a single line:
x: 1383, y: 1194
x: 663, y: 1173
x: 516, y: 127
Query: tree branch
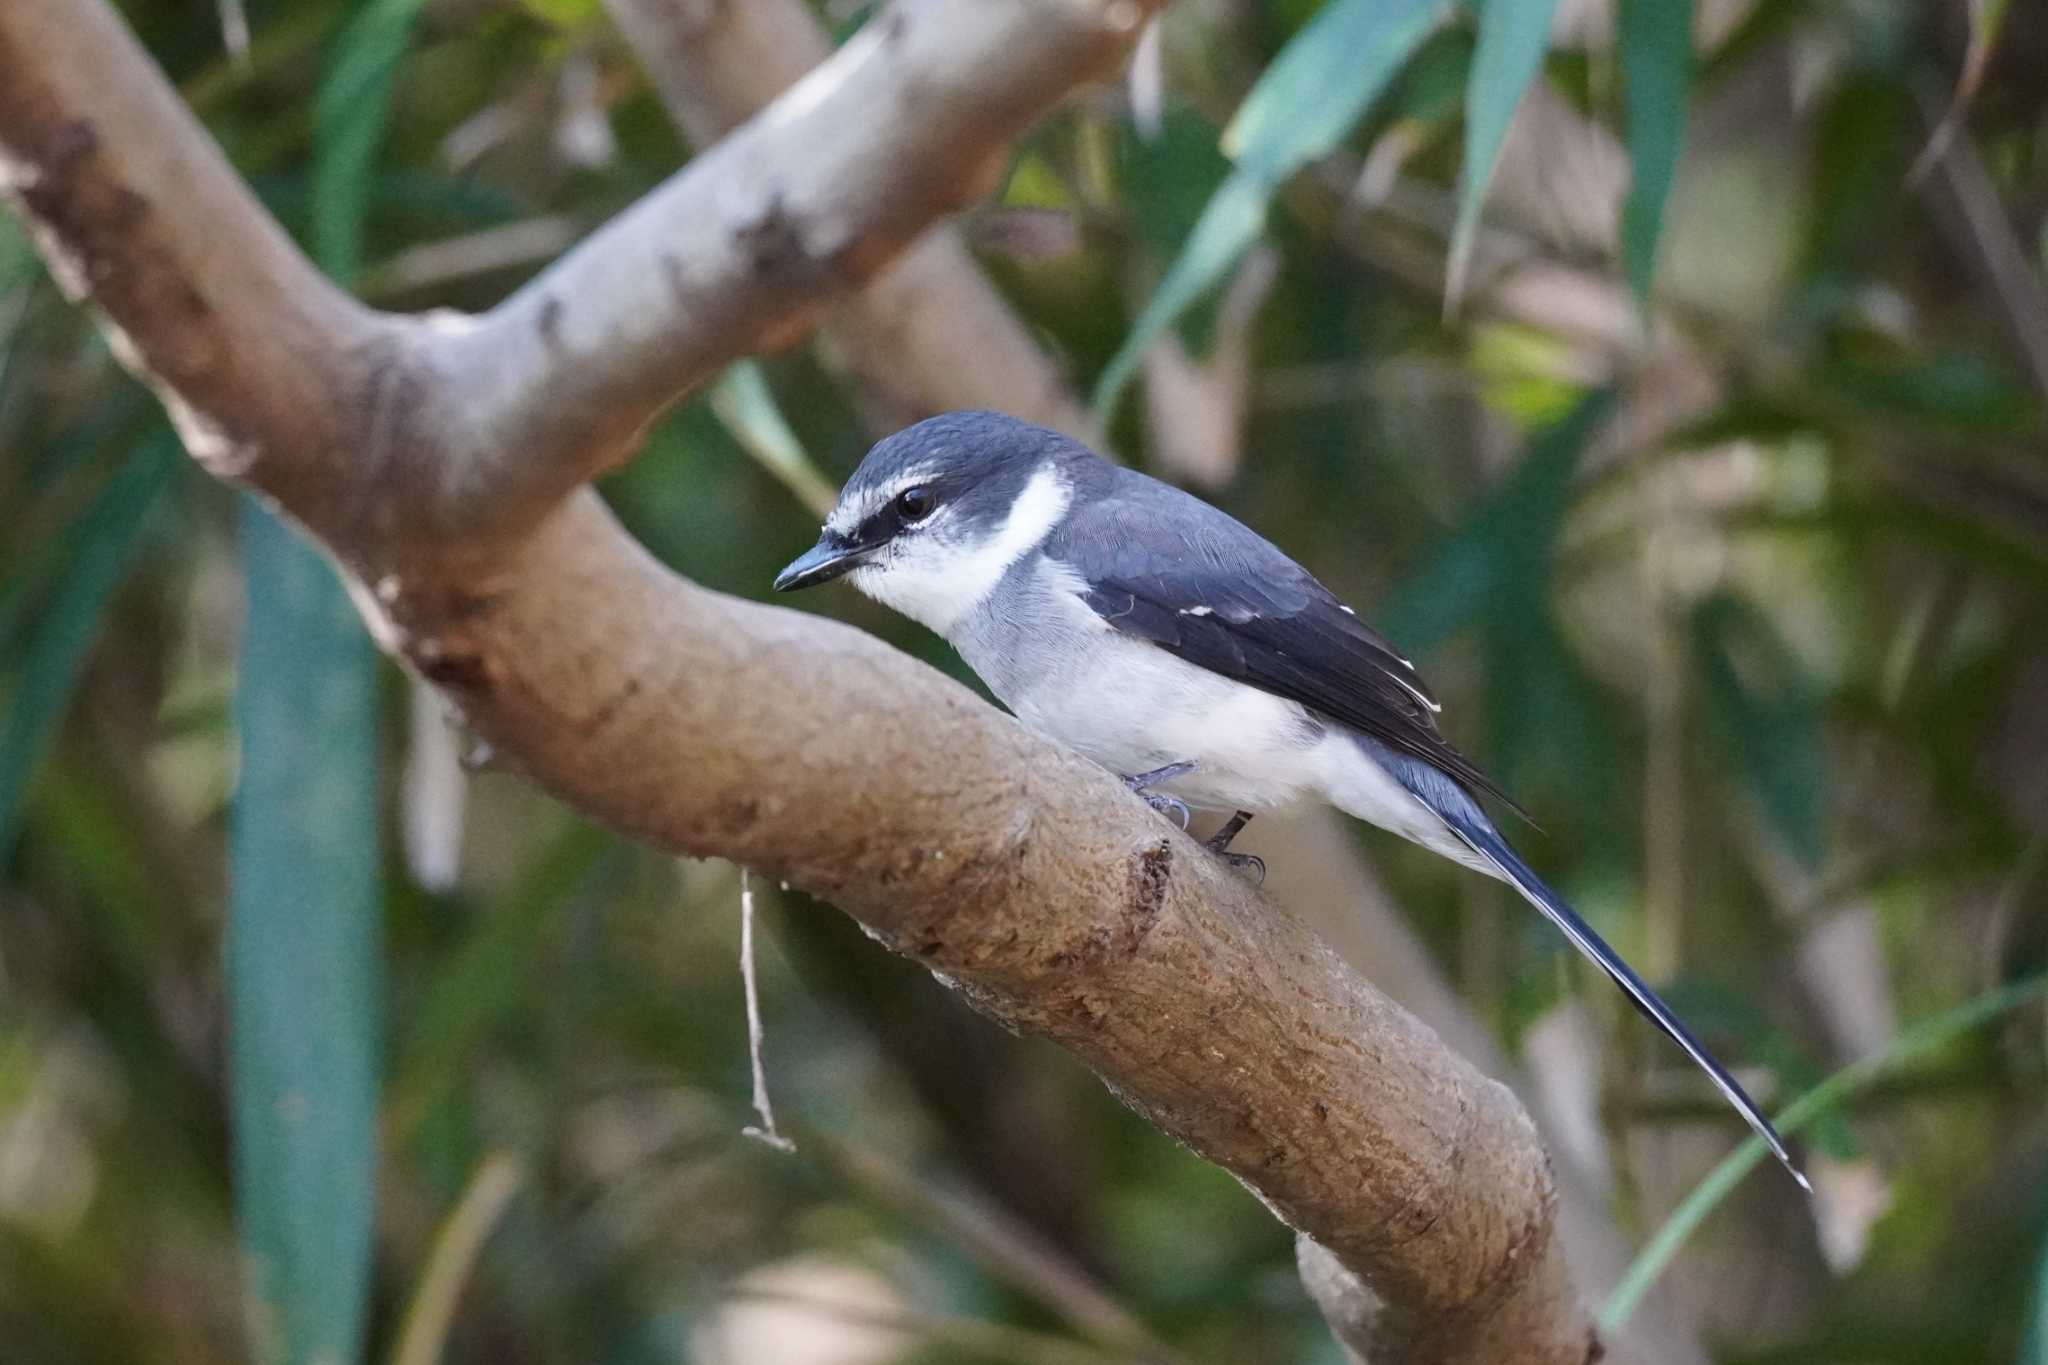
x: 910, y: 119
x: 437, y: 457
x: 928, y: 333
x: 134, y: 206
x: 1027, y: 878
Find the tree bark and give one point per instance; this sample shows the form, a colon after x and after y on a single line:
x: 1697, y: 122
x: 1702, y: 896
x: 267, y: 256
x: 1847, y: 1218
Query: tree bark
x: 440, y: 459
x: 929, y: 320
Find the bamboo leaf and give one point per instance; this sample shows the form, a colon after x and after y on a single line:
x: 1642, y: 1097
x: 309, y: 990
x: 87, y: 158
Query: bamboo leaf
x: 1513, y: 36
x: 489, y: 976
x: 98, y: 550
x: 1313, y: 94
x: 746, y: 406
x: 1824, y: 1098
x: 1768, y: 715
x: 1507, y: 541
x: 349, y: 117
x: 1229, y: 225
x: 1655, y: 41
x: 302, y: 952
x: 302, y: 975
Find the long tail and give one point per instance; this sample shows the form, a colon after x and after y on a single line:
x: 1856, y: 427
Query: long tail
x: 1470, y: 824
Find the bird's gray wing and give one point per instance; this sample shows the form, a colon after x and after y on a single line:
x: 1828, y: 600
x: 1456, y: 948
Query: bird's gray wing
x: 1160, y: 565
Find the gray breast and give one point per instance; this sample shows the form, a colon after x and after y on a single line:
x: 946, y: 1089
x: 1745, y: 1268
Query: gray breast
x: 1033, y: 633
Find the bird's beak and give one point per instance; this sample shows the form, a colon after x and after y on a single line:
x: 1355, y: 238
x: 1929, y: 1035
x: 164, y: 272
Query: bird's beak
x: 823, y: 562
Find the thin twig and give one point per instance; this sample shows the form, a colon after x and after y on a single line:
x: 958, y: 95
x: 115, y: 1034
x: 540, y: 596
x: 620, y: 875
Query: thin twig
x: 1984, y: 236
x: 995, y: 1238
x: 766, y: 1131
x: 234, y: 32
x: 508, y: 246
x: 977, y: 1335
x: 462, y: 1236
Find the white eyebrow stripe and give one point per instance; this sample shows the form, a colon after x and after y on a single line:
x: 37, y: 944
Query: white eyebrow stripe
x: 848, y: 515
x: 941, y: 592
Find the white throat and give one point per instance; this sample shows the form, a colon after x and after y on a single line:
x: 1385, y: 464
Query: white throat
x: 938, y: 585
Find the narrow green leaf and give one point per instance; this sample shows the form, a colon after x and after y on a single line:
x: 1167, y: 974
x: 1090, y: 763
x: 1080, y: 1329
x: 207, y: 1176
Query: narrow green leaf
x: 305, y: 899
x: 424, y: 1337
x: 1655, y: 41
x: 1313, y: 94
x: 1855, y: 175
x: 1987, y: 20
x: 1769, y: 715
x: 1323, y: 81
x: 98, y: 549
x: 1513, y: 36
x: 1824, y: 1098
x: 489, y: 976
x: 1509, y: 540
x: 1228, y: 227
x: 302, y: 952
x: 743, y: 401
x: 349, y: 116
x: 2034, y: 1346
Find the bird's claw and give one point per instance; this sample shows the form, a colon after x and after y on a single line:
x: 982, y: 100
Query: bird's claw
x: 1165, y: 805
x: 1219, y: 844
x: 1140, y: 781
x: 1242, y: 862
x: 1168, y: 805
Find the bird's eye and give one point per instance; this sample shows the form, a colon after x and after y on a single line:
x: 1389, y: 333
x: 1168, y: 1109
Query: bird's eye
x: 916, y: 503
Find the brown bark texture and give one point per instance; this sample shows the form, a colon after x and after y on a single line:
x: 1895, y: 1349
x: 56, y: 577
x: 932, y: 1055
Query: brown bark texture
x: 441, y: 460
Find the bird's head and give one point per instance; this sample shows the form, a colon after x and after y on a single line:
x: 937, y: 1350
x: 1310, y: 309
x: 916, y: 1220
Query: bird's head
x: 936, y: 514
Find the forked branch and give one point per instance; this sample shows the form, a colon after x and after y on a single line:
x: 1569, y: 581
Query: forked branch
x: 441, y: 461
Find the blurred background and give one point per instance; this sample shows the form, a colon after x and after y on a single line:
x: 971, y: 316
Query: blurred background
x: 1719, y: 517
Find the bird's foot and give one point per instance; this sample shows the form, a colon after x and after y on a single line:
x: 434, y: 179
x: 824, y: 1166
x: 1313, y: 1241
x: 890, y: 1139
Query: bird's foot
x: 1250, y: 863
x: 1159, y: 801
x: 1219, y: 844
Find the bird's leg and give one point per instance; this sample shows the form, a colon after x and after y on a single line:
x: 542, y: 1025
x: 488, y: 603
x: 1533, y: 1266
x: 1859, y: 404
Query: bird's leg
x: 1165, y: 805
x: 1219, y: 844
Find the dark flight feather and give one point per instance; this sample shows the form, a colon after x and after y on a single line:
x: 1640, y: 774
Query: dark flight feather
x: 1223, y: 598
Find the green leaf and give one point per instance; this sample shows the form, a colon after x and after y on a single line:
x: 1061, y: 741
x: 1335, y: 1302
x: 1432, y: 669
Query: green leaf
x: 2034, y: 1347
x: 1769, y: 715
x: 349, y: 115
x: 1855, y: 172
x: 1228, y: 227
x: 744, y: 403
x: 490, y: 975
x: 1508, y: 542
x: 1313, y: 94
x: 1987, y: 20
x: 1824, y: 1098
x: 1495, y: 571
x: 302, y: 951
x: 1323, y: 81
x: 100, y: 546
x: 1655, y: 41
x: 1513, y: 35
x: 567, y: 14
x: 1944, y: 392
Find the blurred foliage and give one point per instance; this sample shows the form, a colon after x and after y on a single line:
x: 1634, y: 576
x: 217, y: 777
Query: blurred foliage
x: 1732, y: 568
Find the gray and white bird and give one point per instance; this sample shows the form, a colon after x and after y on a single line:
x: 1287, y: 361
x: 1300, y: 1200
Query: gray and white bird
x: 1175, y: 646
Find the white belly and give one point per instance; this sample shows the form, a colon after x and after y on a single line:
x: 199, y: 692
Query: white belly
x: 1132, y: 707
